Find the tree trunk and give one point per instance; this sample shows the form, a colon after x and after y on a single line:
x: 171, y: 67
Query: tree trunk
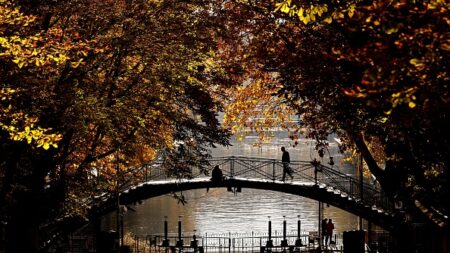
x: 358, y: 139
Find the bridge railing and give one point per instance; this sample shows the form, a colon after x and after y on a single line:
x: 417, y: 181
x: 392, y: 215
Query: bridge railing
x: 353, y: 188
x: 305, y: 172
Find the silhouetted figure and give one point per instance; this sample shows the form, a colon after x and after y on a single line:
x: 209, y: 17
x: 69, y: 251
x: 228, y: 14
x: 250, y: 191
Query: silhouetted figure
x: 216, y: 174
x: 286, y: 160
x: 324, y: 230
x: 330, y: 227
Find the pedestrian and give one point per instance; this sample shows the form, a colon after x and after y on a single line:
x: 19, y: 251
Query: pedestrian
x: 216, y: 174
x: 330, y: 227
x: 286, y: 160
x: 324, y: 230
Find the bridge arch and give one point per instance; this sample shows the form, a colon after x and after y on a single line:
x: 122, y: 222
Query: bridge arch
x: 314, y: 191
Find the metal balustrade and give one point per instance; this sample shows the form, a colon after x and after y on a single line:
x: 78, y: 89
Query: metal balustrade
x: 304, y: 172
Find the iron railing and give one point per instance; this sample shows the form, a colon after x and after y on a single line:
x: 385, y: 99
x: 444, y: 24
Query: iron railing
x: 304, y: 172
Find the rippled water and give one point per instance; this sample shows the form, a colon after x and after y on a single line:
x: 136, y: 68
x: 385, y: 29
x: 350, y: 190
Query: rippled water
x: 219, y: 211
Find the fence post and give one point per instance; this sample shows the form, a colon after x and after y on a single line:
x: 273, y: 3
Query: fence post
x: 351, y: 188
x: 229, y: 242
x: 232, y: 167
x: 273, y: 170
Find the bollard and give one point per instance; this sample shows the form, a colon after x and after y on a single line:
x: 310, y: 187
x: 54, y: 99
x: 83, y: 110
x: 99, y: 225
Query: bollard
x: 298, y: 242
x: 284, y: 242
x: 165, y: 242
x: 179, y: 242
x: 269, y: 242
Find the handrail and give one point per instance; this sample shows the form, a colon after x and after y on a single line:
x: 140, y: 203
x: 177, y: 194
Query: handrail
x: 272, y: 169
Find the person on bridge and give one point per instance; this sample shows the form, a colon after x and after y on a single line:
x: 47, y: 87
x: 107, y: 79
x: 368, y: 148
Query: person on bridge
x: 216, y: 174
x: 286, y: 160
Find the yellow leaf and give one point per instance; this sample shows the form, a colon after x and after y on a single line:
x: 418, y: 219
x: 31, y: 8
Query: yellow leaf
x: 411, y: 104
x: 351, y: 12
x: 46, y: 146
x: 420, y: 65
x: 75, y: 64
x: 328, y: 20
x: 391, y: 30
x: 285, y: 8
x: 300, y: 12
x: 278, y: 6
x: 305, y: 19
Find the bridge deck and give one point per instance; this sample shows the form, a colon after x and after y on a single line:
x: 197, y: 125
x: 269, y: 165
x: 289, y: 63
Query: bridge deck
x: 310, y: 179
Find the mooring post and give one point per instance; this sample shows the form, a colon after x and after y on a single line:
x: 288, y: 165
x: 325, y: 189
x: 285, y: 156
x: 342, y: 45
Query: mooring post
x: 298, y: 242
x: 165, y: 242
x: 180, y: 241
x: 269, y: 242
x: 229, y: 242
x: 284, y: 242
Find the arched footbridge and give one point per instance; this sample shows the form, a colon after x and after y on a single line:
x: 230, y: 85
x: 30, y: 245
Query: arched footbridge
x: 311, y: 179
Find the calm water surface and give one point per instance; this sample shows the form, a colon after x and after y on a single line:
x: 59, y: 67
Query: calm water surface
x: 219, y: 211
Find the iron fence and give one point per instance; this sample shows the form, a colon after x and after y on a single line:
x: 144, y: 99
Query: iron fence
x: 304, y: 172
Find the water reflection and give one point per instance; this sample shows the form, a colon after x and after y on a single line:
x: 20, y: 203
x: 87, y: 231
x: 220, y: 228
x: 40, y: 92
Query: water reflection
x: 219, y: 211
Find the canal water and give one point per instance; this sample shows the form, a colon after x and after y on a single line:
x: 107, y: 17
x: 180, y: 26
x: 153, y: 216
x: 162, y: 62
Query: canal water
x: 217, y: 211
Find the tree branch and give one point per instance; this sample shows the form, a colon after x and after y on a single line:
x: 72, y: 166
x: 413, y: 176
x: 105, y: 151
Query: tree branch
x: 358, y: 139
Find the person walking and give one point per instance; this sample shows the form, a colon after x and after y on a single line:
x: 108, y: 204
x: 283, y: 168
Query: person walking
x: 286, y: 160
x: 329, y: 236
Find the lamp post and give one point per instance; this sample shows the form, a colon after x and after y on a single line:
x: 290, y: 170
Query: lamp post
x: 319, y: 236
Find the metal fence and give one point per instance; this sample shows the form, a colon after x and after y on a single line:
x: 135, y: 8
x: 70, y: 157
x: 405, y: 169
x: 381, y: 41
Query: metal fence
x: 229, y: 242
x: 305, y: 172
x: 381, y: 242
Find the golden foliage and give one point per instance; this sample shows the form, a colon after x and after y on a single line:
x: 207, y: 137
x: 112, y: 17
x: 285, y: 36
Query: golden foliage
x: 311, y: 12
x: 254, y: 108
x: 35, y: 52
